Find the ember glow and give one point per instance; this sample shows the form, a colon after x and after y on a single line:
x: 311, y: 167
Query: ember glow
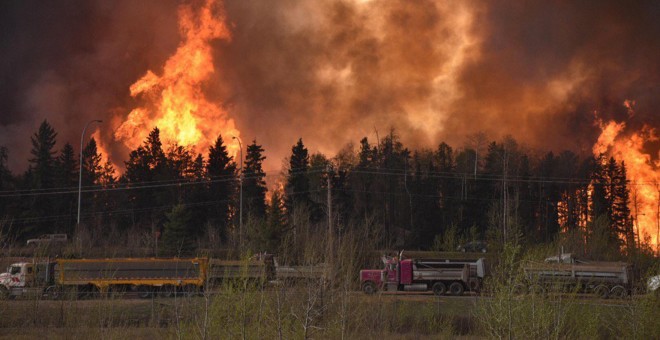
x: 175, y: 101
x: 643, y: 170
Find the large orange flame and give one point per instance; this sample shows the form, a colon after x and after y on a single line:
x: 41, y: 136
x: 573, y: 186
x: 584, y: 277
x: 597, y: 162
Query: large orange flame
x: 174, y: 101
x: 643, y: 172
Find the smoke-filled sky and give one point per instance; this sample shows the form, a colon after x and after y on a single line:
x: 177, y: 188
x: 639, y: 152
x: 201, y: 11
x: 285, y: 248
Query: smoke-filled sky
x: 335, y: 71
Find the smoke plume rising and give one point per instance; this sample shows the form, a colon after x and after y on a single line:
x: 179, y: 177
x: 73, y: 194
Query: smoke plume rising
x: 334, y: 71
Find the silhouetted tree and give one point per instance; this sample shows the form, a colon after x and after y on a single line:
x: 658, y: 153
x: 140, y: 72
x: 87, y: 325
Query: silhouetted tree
x: 296, y: 189
x: 274, y: 230
x: 43, y: 157
x: 254, y: 184
x: 6, y: 183
x: 67, y: 178
x: 221, y: 173
x: 41, y: 175
x: 178, y: 238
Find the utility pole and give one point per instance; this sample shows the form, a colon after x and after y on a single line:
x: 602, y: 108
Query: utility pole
x: 330, y: 233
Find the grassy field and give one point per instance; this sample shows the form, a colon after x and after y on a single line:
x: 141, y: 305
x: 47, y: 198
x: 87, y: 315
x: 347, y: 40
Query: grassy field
x: 308, y: 312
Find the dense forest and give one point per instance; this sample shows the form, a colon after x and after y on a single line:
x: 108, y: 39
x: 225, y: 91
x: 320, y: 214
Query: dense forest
x: 428, y: 199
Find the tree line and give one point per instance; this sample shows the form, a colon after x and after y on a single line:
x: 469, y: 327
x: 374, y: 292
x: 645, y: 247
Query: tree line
x: 425, y: 199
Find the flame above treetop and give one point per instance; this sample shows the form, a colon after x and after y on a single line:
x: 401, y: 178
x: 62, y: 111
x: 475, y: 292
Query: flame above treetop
x: 175, y: 101
x: 643, y: 172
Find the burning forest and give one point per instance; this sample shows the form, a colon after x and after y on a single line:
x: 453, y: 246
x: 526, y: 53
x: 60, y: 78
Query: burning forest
x: 428, y: 123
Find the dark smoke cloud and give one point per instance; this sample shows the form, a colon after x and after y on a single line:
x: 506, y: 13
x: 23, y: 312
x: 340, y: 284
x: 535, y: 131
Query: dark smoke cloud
x: 72, y: 61
x: 332, y: 72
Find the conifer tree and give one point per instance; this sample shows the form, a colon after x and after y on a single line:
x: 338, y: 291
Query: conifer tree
x: 178, y: 238
x: 41, y: 175
x: 147, y: 164
x: 91, y: 164
x: 254, y: 184
x: 297, y: 182
x: 43, y: 156
x: 221, y: 174
x: 275, y: 227
x: 67, y: 164
x: 67, y: 177
x: 5, y: 181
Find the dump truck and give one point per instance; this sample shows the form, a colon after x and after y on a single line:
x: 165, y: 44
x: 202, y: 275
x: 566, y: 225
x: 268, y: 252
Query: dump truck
x: 567, y: 273
x: 86, y: 277
x: 453, y: 276
x: 260, y: 269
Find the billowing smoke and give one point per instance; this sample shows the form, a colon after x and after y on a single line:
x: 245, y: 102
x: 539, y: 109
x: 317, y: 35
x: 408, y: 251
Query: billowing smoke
x: 334, y: 71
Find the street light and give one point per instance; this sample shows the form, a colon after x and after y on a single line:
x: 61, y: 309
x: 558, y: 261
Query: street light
x: 240, y: 206
x: 82, y: 137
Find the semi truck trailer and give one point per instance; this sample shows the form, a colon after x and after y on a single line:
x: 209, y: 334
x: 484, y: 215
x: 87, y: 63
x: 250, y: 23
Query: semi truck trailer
x: 83, y: 277
x: 453, y: 276
x: 567, y: 273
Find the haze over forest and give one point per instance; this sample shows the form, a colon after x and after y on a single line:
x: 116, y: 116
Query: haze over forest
x: 333, y: 72
x: 533, y: 92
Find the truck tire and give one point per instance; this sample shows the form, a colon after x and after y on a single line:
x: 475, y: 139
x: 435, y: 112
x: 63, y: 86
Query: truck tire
x: 167, y: 291
x: 602, y: 291
x: 54, y: 293
x: 456, y: 289
x: 4, y: 293
x: 190, y: 290
x: 618, y: 292
x: 439, y: 288
x: 144, y: 292
x: 369, y: 288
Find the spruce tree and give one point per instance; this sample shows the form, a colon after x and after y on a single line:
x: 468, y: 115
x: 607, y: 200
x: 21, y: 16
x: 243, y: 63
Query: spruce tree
x: 91, y: 164
x: 6, y: 181
x: 43, y: 156
x: 178, y: 239
x: 41, y: 175
x: 297, y: 182
x: 275, y: 227
x: 221, y: 174
x: 67, y: 177
x: 146, y: 165
x: 254, y: 184
x: 67, y: 167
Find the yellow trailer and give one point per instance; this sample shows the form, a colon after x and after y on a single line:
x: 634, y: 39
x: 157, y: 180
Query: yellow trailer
x: 147, y: 276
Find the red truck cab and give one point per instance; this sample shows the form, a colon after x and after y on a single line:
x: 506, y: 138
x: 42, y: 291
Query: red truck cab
x: 374, y: 279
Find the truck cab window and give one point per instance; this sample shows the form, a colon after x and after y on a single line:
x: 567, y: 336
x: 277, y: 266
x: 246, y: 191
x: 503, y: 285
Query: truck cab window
x: 14, y: 270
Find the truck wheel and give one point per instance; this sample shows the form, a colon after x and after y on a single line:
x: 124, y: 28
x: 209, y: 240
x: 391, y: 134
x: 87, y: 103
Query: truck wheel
x: 191, y: 290
x: 144, y: 292
x: 369, y: 288
x: 54, y: 292
x: 167, y: 291
x: 4, y: 293
x: 439, y: 288
x: 618, y: 292
x: 456, y: 288
x: 602, y: 291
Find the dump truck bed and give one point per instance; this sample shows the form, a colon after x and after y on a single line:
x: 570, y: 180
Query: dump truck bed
x: 153, y: 271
